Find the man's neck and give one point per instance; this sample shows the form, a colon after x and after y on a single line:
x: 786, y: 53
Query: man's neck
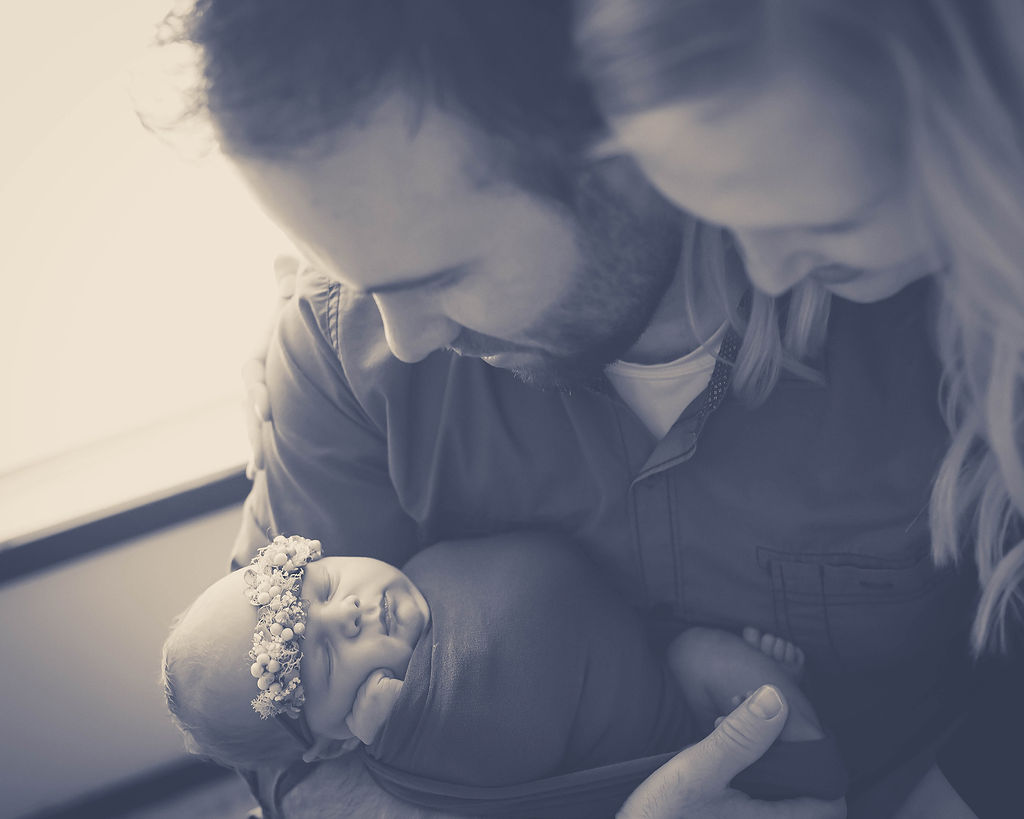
x: 675, y: 330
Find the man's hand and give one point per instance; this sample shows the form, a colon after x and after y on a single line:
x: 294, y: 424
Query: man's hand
x: 695, y: 783
x: 286, y: 270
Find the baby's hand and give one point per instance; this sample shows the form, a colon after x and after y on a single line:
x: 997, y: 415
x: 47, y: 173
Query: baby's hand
x: 373, y: 704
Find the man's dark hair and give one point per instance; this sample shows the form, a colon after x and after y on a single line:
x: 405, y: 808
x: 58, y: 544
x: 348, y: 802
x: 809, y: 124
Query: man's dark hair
x: 280, y: 74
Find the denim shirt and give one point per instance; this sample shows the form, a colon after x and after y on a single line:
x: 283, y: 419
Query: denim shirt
x: 805, y: 516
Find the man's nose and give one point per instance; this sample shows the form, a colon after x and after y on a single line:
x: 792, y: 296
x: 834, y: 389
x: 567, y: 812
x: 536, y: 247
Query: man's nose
x: 775, y: 260
x: 412, y: 327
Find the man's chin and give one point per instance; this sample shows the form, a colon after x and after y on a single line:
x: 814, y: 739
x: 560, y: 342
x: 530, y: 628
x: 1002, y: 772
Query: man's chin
x: 552, y: 375
x: 545, y: 371
x: 512, y: 361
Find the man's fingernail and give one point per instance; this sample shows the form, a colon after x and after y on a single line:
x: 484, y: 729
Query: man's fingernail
x: 765, y: 703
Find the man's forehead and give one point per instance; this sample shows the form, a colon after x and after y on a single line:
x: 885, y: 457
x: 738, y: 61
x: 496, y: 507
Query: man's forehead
x: 390, y: 199
x: 421, y: 143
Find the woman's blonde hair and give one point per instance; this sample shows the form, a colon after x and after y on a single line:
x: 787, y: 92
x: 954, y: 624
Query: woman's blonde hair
x: 779, y: 334
x: 961, y: 72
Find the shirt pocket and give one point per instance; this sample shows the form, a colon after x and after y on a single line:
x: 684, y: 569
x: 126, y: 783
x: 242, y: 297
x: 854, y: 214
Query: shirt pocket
x: 860, y: 613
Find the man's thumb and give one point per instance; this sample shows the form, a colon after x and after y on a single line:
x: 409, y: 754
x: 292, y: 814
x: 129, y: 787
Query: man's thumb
x: 741, y: 738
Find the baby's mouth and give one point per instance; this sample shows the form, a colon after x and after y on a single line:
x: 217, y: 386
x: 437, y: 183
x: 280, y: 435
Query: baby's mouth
x: 385, y: 613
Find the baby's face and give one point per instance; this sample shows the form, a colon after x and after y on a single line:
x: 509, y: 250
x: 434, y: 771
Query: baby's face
x: 363, y: 615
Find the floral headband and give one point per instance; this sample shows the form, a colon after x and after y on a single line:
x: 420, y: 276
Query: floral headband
x: 273, y: 582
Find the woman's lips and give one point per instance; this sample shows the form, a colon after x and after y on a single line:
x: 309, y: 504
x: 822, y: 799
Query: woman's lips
x: 836, y: 274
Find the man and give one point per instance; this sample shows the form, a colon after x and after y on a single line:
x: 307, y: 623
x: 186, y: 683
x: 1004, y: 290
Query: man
x: 429, y: 158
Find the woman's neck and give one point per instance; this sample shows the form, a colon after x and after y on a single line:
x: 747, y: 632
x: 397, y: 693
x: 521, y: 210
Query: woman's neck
x: 676, y: 329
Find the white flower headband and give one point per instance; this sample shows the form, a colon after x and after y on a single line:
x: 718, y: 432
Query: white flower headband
x: 273, y: 582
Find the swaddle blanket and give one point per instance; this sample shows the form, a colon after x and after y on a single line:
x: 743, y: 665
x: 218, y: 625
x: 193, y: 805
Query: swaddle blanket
x: 532, y: 666
x: 535, y: 693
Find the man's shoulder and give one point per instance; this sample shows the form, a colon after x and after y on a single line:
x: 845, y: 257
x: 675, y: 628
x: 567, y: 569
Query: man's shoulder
x: 335, y: 336
x: 346, y: 321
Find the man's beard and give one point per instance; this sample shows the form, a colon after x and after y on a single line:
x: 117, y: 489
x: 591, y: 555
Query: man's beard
x: 628, y: 260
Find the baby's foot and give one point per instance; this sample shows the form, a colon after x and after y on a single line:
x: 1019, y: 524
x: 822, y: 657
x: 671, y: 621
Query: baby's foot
x: 789, y: 656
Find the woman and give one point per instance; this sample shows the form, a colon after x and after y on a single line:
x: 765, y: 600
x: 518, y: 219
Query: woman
x: 858, y: 147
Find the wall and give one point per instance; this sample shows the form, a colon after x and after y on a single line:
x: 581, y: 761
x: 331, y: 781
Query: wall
x: 80, y: 704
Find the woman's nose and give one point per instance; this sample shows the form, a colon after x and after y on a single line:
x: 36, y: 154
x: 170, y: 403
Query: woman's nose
x: 413, y: 329
x: 775, y: 260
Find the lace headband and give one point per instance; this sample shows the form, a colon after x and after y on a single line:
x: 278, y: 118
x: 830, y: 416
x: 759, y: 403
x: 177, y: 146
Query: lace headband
x: 273, y: 583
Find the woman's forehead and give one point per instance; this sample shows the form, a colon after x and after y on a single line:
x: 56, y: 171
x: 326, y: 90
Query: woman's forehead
x: 792, y: 146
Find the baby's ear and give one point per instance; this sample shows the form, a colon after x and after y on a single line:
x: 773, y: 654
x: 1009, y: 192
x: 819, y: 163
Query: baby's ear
x: 327, y: 748
x: 373, y: 704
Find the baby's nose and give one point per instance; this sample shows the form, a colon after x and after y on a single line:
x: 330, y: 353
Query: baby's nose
x: 347, y: 616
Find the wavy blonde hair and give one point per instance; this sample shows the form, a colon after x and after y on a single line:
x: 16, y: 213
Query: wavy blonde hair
x: 962, y: 78
x: 779, y: 335
x: 963, y: 71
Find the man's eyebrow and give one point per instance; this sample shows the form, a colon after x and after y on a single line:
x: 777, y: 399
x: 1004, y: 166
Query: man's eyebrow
x: 411, y: 284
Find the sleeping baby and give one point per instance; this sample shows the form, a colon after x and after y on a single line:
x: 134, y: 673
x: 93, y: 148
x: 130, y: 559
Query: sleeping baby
x: 499, y: 671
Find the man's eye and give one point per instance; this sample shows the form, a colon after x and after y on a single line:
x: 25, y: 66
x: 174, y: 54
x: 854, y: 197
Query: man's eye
x: 453, y: 277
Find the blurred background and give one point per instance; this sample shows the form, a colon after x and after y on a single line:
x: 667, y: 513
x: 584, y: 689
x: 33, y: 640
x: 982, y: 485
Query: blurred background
x: 137, y: 280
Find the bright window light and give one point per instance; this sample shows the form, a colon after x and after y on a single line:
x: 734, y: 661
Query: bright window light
x: 137, y: 281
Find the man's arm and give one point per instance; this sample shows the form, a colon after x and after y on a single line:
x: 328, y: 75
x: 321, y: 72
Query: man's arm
x: 322, y: 472
x: 934, y: 798
x: 325, y: 461
x: 979, y: 765
x: 343, y: 787
x: 286, y: 272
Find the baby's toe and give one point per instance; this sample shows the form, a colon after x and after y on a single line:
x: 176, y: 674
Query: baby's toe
x: 752, y: 637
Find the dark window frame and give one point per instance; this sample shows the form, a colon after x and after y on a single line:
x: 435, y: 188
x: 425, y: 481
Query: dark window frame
x: 32, y: 553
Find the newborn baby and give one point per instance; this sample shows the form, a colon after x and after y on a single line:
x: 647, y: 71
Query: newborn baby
x: 484, y: 664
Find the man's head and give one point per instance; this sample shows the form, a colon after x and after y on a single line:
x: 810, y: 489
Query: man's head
x: 362, y: 615
x: 432, y: 154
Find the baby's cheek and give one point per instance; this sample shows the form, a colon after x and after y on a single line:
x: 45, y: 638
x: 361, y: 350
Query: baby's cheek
x: 323, y: 713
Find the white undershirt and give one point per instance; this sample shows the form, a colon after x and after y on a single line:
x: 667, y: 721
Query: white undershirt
x: 658, y: 393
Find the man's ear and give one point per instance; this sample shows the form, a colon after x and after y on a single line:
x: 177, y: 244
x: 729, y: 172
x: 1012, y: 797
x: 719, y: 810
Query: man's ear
x: 328, y: 748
